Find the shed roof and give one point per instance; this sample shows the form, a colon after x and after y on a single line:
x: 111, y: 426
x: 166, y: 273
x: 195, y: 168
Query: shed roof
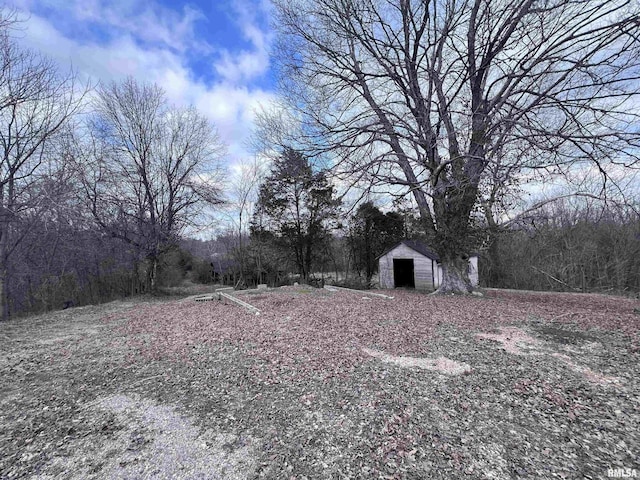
x: 416, y: 245
x: 419, y: 247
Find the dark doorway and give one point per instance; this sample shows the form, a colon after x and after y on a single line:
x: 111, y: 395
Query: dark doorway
x: 403, y: 273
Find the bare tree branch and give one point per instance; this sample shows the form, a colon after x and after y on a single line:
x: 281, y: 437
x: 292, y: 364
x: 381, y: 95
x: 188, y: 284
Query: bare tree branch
x: 452, y: 96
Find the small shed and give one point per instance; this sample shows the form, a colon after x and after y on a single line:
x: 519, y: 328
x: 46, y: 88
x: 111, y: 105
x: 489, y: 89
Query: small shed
x: 411, y: 264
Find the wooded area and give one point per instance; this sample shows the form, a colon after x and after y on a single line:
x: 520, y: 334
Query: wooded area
x: 96, y: 184
x: 569, y: 246
x: 438, y: 116
x: 456, y: 103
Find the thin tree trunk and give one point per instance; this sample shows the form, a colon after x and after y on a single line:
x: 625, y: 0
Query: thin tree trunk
x: 4, y: 294
x: 153, y: 275
x: 6, y: 198
x: 134, y: 279
x: 241, y: 251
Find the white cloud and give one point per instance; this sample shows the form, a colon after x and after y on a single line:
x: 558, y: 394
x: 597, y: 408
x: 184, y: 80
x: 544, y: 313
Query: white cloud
x: 152, y: 44
x: 114, y: 60
x: 243, y: 66
x: 246, y: 64
x: 228, y: 103
x: 148, y: 21
x: 232, y: 109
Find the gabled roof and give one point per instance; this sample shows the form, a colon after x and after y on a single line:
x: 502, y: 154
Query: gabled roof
x: 420, y: 247
x: 416, y: 245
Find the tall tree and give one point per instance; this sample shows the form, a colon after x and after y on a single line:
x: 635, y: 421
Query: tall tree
x: 147, y: 167
x: 36, y: 102
x: 425, y: 95
x: 297, y: 204
x: 370, y: 233
x: 243, y: 192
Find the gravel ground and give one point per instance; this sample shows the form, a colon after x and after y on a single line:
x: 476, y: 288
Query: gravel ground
x: 324, y: 385
x: 156, y: 442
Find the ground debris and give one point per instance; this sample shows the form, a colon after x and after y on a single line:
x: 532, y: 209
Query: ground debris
x: 99, y: 392
x: 440, y: 364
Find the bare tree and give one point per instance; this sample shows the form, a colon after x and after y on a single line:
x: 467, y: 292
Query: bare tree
x: 573, y: 243
x: 243, y: 193
x: 146, y: 168
x: 36, y: 102
x: 437, y: 98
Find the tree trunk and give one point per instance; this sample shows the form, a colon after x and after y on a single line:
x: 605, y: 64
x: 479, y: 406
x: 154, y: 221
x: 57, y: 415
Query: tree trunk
x: 135, y: 280
x: 455, y: 276
x: 153, y: 274
x: 241, y: 251
x: 495, y: 271
x: 4, y: 294
x: 261, y: 278
x: 6, y: 207
x: 307, y: 261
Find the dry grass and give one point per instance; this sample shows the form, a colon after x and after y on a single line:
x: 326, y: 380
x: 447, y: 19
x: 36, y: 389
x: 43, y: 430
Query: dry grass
x: 324, y: 385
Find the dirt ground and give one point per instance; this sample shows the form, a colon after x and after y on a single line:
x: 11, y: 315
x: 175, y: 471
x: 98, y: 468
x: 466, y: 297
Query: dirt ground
x: 324, y: 385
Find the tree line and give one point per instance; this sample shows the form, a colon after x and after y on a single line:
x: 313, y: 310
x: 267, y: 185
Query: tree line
x: 575, y: 245
x: 453, y: 105
x: 96, y: 184
x: 568, y: 246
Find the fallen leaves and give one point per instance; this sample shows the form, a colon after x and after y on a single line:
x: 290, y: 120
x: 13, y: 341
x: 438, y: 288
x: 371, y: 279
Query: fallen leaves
x: 516, y: 341
x: 315, y: 382
x: 302, y: 331
x: 589, y: 374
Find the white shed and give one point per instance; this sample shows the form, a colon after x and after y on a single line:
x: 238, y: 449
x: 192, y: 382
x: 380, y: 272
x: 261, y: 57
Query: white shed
x: 411, y: 264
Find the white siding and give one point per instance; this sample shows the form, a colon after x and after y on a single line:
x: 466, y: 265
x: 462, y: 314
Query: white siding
x: 422, y: 268
x: 473, y: 270
x: 427, y: 272
x: 385, y: 271
x: 438, y: 274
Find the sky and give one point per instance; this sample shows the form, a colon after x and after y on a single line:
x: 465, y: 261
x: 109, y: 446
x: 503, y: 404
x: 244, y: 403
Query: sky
x: 213, y: 54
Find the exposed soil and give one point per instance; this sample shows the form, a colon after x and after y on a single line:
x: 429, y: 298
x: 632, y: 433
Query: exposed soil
x: 324, y: 385
x: 440, y: 364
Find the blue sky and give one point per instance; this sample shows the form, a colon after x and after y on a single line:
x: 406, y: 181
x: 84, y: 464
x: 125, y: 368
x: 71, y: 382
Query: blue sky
x: 212, y: 54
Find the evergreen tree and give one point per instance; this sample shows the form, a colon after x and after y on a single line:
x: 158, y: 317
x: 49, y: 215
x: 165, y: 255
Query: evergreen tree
x: 297, y: 205
x: 370, y: 233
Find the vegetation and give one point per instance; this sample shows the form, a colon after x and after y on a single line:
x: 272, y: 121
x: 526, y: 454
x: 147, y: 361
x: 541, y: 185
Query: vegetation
x: 97, y: 192
x: 296, y: 205
x: 37, y: 102
x: 568, y: 247
x: 371, y: 232
x: 93, y: 197
x: 456, y: 103
x: 142, y: 172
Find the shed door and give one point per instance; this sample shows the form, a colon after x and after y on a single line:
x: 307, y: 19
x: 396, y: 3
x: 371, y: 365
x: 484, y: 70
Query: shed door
x: 403, y: 273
